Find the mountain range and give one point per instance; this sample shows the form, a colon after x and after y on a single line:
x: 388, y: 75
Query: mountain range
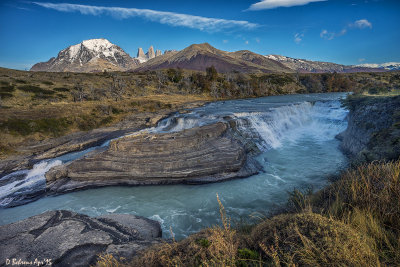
x: 97, y: 55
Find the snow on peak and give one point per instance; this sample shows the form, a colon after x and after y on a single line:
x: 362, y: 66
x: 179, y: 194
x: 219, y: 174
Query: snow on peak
x: 97, y: 44
x: 387, y: 65
x: 99, y: 47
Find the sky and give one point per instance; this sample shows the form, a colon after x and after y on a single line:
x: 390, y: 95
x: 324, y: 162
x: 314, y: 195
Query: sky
x: 341, y: 31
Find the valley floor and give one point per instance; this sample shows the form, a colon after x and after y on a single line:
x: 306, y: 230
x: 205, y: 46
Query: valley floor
x: 353, y: 222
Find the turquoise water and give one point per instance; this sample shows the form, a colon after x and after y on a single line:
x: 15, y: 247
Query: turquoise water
x: 296, y: 134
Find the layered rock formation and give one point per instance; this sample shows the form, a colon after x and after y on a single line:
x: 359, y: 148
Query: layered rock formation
x: 199, y: 155
x: 373, y: 131
x: 65, y: 238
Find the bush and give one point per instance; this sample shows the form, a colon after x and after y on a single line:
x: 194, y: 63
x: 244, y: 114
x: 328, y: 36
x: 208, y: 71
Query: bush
x: 53, y: 126
x: 47, y: 83
x: 309, y: 239
x: 7, y: 89
x: 61, y: 89
x: 35, y: 89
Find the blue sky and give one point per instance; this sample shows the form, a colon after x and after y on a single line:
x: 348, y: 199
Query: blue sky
x: 341, y: 31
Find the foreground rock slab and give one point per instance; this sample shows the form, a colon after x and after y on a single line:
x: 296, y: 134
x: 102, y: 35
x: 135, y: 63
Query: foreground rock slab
x: 71, y: 239
x: 199, y: 155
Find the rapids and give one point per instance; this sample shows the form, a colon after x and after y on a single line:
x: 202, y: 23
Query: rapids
x: 296, y: 137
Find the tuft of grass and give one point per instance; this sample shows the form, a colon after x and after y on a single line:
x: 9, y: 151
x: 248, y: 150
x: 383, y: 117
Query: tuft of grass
x: 368, y: 198
x: 357, y: 225
x: 216, y: 246
x: 108, y: 260
x: 309, y: 239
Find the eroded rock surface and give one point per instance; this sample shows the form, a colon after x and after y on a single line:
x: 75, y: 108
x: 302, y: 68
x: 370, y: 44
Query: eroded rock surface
x: 198, y: 155
x: 73, y: 239
x: 373, y: 131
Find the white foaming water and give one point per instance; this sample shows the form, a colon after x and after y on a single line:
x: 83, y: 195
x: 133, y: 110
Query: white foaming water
x: 323, y: 120
x: 271, y: 126
x: 296, y: 134
x: 34, y: 181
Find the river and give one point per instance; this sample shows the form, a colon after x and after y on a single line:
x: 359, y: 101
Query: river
x: 296, y: 137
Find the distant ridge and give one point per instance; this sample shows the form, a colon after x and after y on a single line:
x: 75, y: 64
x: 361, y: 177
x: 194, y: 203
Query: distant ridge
x: 308, y: 66
x: 96, y: 55
x: 200, y: 56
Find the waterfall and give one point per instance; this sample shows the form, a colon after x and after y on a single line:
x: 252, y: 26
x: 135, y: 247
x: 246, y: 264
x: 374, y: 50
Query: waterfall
x: 265, y: 121
x: 323, y: 120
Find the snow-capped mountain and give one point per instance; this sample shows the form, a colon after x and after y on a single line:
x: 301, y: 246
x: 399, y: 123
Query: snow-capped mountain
x: 302, y: 65
x: 89, y: 56
x: 386, y: 66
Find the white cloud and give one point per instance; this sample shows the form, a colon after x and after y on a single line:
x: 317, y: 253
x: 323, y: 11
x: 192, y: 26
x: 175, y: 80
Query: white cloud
x: 361, y: 60
x: 225, y: 41
x: 270, y: 4
x: 258, y: 40
x: 298, y: 37
x: 358, y: 24
x: 361, y: 24
x: 168, y: 18
x: 246, y: 42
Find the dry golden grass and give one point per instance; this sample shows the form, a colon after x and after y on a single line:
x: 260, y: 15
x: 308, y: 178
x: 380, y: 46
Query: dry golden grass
x: 358, y: 225
x: 309, y: 239
x: 368, y: 199
x: 216, y: 246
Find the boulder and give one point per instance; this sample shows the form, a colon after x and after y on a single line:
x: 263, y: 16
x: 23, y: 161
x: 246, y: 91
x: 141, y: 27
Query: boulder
x: 67, y: 238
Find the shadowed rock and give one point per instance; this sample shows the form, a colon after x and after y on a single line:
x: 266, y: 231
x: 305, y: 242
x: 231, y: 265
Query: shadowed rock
x: 373, y: 129
x: 72, y: 239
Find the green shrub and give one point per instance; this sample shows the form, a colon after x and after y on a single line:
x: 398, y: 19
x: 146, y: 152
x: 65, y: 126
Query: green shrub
x: 7, y: 89
x: 61, y: 89
x: 35, y: 89
x: 25, y: 127
x: 4, y: 95
x: 47, y: 83
x: 203, y: 242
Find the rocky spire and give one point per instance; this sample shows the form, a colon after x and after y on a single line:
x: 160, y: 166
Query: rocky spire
x: 140, y: 53
x: 150, y: 54
x: 158, y: 52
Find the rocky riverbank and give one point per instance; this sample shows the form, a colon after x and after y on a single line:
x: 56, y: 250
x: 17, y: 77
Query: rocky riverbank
x: 31, y: 153
x: 204, y: 154
x: 373, y: 131
x: 64, y: 238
